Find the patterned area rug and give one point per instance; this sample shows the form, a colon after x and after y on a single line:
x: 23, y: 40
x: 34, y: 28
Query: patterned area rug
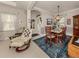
x: 57, y: 50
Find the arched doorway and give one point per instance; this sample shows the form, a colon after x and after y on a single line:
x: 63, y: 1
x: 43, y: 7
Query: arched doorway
x: 36, y: 22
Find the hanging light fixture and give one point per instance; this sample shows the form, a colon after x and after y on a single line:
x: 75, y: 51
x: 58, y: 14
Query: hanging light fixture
x: 58, y: 16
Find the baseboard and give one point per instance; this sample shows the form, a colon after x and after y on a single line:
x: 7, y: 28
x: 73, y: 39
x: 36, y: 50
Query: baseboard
x: 42, y: 35
x: 39, y: 36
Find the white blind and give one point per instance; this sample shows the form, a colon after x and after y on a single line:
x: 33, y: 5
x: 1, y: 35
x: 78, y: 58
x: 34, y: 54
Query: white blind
x: 8, y: 21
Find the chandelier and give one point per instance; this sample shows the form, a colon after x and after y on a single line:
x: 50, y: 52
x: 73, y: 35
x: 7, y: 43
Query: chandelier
x: 58, y: 17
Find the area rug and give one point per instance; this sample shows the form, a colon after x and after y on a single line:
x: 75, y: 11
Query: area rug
x: 57, y: 50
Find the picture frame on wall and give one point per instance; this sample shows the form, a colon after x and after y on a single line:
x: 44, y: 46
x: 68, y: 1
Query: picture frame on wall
x: 32, y: 24
x: 49, y: 21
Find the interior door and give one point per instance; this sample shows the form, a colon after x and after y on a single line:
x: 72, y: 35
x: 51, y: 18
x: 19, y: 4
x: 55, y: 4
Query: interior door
x: 76, y: 25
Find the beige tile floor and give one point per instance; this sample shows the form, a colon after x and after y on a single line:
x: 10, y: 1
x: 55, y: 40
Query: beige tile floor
x: 32, y: 52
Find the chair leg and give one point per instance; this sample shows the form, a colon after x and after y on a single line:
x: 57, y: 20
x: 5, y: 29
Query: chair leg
x: 50, y: 42
x: 46, y: 40
x: 56, y: 40
x: 61, y: 40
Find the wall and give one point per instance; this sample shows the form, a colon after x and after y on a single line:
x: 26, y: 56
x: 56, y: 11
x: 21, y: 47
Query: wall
x: 34, y: 13
x: 21, y: 17
x: 69, y: 15
x: 44, y: 15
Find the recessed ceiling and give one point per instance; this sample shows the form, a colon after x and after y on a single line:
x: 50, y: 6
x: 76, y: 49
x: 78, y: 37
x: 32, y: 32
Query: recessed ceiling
x: 22, y: 4
x: 51, y: 6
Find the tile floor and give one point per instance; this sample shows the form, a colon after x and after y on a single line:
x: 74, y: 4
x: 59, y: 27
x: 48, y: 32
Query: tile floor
x: 32, y: 52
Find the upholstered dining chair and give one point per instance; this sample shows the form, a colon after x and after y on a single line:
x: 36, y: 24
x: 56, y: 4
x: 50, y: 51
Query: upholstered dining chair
x: 49, y: 35
x: 62, y: 34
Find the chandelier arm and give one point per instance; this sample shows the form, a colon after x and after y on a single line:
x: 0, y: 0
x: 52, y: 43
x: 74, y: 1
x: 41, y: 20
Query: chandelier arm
x: 58, y: 9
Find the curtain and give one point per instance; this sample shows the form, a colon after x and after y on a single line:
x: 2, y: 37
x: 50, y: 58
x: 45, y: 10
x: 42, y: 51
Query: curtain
x: 8, y: 21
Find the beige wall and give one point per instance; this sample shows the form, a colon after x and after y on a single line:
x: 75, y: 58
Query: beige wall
x: 44, y: 15
x: 69, y: 15
x: 21, y: 16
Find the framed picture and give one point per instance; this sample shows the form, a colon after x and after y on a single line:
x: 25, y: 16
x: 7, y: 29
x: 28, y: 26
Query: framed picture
x: 32, y: 24
x: 49, y: 21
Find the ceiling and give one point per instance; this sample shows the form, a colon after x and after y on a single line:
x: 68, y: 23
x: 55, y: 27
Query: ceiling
x: 22, y: 4
x: 50, y: 6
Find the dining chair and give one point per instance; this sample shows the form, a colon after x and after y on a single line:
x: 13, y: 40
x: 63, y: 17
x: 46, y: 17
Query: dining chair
x: 62, y: 34
x: 49, y: 35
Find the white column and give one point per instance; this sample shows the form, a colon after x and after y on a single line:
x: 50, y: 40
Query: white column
x: 28, y: 18
x: 29, y: 21
x: 29, y: 8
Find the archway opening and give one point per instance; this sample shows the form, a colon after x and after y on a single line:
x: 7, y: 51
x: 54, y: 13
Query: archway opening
x: 36, y: 21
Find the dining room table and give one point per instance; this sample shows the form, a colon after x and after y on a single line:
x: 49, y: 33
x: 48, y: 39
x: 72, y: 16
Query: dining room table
x: 56, y: 33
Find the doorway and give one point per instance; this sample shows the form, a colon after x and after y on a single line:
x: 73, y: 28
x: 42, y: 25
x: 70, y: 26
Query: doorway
x: 36, y: 22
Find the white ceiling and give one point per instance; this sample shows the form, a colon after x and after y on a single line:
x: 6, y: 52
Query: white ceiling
x: 18, y: 4
x: 22, y: 4
x: 50, y: 6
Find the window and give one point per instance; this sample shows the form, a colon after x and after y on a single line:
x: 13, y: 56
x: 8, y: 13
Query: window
x: 8, y: 21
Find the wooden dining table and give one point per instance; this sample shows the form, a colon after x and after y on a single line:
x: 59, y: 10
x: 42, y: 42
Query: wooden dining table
x: 57, y: 31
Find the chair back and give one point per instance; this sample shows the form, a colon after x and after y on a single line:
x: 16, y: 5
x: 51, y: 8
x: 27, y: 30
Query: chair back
x: 48, y: 30
x: 64, y: 30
